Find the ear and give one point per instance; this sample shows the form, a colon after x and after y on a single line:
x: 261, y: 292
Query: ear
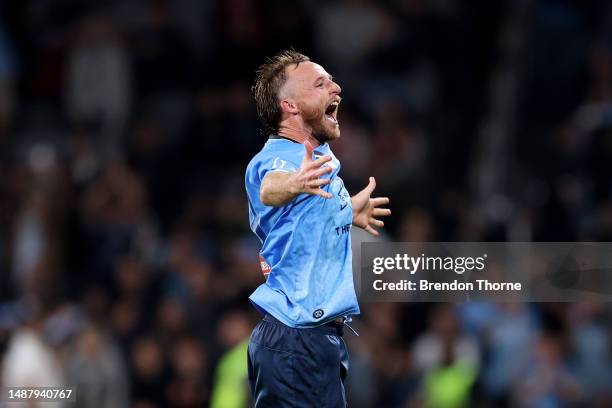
x: 289, y: 106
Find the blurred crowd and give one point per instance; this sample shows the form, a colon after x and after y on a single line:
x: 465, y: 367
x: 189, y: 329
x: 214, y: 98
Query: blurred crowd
x: 126, y: 257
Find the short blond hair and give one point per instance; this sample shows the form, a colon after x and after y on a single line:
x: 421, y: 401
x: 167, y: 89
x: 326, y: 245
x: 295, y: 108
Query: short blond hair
x: 269, y: 80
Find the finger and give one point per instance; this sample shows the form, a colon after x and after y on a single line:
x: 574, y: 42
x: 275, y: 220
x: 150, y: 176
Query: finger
x: 371, y: 185
x: 376, y: 223
x: 371, y: 231
x: 378, y: 201
x: 319, y: 172
x: 321, y: 193
x: 318, y: 182
x: 309, y: 150
x: 320, y: 161
x: 381, y: 212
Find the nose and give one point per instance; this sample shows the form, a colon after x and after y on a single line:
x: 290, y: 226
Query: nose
x: 335, y: 88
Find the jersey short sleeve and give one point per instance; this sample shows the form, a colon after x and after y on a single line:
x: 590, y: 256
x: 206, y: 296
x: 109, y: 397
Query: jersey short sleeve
x: 274, y: 163
x: 276, y: 156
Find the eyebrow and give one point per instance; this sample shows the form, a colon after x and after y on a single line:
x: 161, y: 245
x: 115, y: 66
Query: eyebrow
x: 330, y: 77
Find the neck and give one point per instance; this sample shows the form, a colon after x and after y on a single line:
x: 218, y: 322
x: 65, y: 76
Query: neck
x: 297, y: 134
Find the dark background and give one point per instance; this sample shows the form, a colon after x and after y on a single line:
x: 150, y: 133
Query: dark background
x: 126, y: 258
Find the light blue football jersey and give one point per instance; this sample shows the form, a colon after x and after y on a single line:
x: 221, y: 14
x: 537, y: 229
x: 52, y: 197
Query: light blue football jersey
x: 306, y: 245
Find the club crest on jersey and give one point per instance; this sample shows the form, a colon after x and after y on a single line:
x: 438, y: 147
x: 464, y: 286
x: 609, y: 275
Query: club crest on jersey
x: 265, y: 267
x: 344, y: 196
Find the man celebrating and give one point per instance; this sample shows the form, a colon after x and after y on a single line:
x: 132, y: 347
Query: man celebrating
x: 301, y: 212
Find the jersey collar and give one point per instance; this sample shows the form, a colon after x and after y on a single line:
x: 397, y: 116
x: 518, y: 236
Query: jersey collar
x: 314, y: 141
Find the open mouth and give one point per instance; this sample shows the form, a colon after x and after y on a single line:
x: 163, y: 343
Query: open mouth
x: 331, y: 113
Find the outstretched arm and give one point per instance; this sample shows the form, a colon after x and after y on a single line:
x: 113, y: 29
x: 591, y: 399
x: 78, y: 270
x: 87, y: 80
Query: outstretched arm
x: 279, y: 188
x: 366, y: 209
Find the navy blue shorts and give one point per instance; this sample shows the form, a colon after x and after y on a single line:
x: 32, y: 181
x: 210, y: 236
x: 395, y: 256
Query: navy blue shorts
x: 297, y: 367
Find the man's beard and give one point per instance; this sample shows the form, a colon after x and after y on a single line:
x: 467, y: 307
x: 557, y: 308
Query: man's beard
x: 321, y: 132
x: 317, y: 122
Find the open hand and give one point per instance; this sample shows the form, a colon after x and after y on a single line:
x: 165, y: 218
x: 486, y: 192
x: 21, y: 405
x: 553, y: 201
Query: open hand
x: 307, y: 179
x: 366, y: 209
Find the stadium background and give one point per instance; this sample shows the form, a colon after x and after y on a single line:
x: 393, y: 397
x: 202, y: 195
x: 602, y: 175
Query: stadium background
x: 125, y: 128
